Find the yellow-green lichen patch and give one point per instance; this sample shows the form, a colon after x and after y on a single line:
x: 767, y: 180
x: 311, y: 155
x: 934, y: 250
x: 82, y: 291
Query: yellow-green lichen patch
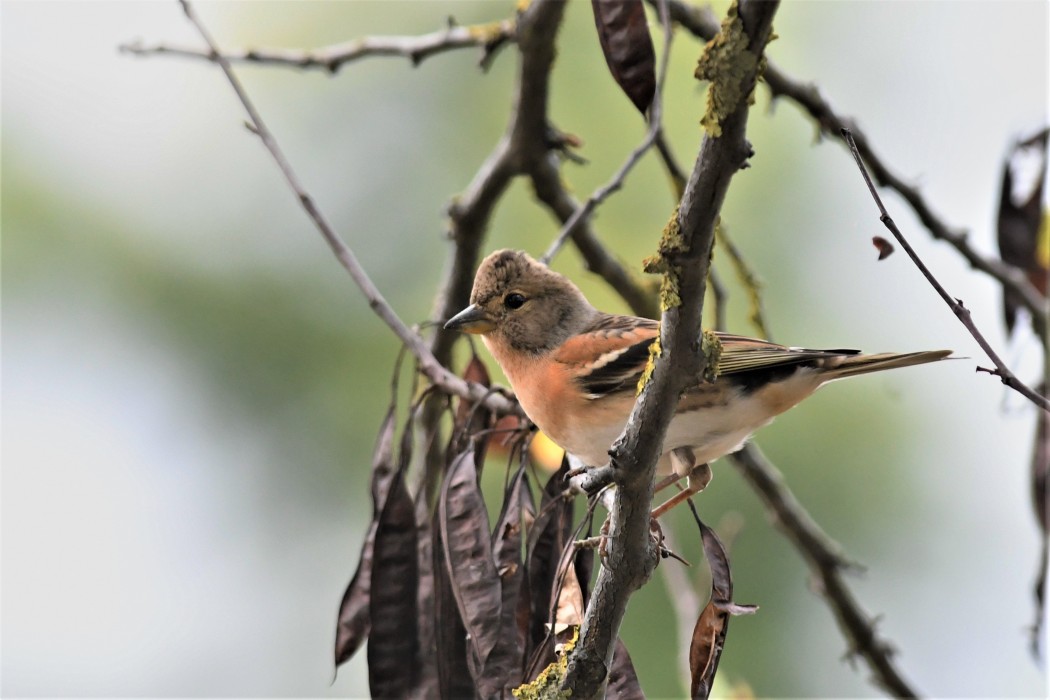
x: 487, y: 32
x: 727, y: 64
x: 711, y: 347
x: 669, y: 286
x: 647, y: 373
x: 671, y: 242
x: 547, y: 685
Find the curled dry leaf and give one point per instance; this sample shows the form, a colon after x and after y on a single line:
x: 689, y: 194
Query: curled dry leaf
x: 569, y: 610
x: 709, y: 634
x: 1022, y: 222
x: 505, y: 662
x: 1041, y: 497
x: 428, y: 685
x: 471, y: 418
x: 623, y: 681
x: 353, y: 621
x: 1041, y: 468
x: 467, y: 548
x: 884, y: 247
x: 393, y: 644
x: 624, y: 35
x: 548, y: 537
x: 450, y: 636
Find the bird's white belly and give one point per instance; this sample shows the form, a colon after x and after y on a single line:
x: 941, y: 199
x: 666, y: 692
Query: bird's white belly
x: 712, y: 431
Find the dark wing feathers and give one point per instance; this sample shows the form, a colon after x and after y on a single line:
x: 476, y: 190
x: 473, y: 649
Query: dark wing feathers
x: 618, y: 373
x: 747, y: 362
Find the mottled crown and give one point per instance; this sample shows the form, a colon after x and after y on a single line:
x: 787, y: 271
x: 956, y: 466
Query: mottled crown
x: 506, y: 270
x: 551, y: 308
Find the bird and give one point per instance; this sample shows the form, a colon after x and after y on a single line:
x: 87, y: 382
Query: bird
x: 575, y: 370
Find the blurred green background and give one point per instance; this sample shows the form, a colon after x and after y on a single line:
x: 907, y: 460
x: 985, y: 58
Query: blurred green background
x: 193, y: 384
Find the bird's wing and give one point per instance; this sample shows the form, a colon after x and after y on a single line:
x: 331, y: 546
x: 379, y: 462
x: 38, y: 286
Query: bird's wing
x: 610, y: 356
x: 742, y: 354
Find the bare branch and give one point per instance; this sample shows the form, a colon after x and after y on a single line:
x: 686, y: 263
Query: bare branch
x: 956, y: 305
x: 490, y: 37
x: 584, y: 212
x: 652, y: 136
x: 702, y: 22
x: 434, y: 370
x: 632, y: 554
x: 469, y: 215
x: 826, y: 562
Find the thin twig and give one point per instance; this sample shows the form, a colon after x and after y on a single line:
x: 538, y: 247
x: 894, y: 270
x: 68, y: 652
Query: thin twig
x: 702, y: 22
x: 651, y: 137
x: 599, y: 195
x: 827, y: 563
x: 720, y: 297
x: 331, y: 58
x: 437, y: 373
x: 551, y: 191
x: 956, y: 305
x: 748, y: 279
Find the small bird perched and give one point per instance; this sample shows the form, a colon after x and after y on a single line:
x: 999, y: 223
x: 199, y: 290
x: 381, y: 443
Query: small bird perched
x: 575, y: 369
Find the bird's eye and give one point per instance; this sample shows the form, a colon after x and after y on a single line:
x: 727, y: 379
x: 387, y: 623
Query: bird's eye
x: 513, y: 301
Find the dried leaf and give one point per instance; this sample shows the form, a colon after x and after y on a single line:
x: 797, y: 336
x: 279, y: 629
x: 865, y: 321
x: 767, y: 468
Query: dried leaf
x: 505, y: 662
x: 709, y: 633
x: 548, y: 537
x: 583, y: 563
x: 476, y: 372
x: 1041, y: 497
x: 450, y: 636
x: 468, y: 557
x: 1041, y: 468
x: 569, y: 611
x: 428, y: 685
x: 472, y: 418
x: 884, y: 247
x: 624, y: 35
x: 353, y: 620
x: 623, y: 681
x: 393, y: 645
x: 1021, y: 219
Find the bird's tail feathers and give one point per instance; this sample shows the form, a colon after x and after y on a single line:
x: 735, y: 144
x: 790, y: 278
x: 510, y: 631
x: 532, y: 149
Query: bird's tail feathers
x: 853, y: 365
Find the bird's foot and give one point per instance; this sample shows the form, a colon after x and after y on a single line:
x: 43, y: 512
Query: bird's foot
x: 697, y: 479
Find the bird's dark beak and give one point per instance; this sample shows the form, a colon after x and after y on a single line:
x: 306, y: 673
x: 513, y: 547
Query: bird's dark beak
x: 472, y: 319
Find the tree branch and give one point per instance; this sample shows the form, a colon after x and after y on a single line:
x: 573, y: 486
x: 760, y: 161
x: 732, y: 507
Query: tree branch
x: 686, y: 252
x: 470, y: 213
x: 524, y: 150
x: 1001, y: 370
x: 826, y: 562
x: 701, y: 22
x: 490, y: 37
x: 469, y: 216
x: 434, y: 370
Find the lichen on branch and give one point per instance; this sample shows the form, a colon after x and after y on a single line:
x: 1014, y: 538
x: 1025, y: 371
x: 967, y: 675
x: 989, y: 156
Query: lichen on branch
x: 727, y: 64
x: 711, y: 347
x: 671, y: 244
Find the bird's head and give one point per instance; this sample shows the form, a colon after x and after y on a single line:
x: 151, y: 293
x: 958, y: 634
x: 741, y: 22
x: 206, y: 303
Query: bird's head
x: 522, y: 303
